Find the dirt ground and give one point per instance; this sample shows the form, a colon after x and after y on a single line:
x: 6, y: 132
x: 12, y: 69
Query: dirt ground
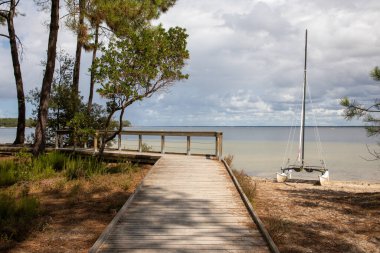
x: 74, y: 213
x: 305, y: 217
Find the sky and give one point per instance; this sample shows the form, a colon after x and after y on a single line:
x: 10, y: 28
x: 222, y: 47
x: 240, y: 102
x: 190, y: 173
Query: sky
x: 245, y: 66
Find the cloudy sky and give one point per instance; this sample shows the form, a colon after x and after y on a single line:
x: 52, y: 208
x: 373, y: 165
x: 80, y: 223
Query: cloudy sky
x: 246, y: 65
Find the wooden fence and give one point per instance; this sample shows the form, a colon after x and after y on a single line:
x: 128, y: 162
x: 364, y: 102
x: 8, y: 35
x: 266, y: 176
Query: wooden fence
x: 96, y: 140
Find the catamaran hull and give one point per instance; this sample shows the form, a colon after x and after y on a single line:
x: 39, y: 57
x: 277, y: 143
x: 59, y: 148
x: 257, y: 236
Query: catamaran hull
x: 282, y: 177
x: 324, y: 179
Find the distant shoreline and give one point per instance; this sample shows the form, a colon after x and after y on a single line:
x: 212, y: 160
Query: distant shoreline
x: 12, y: 122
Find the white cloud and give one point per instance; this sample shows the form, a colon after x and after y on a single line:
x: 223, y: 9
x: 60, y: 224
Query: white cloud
x: 246, y: 60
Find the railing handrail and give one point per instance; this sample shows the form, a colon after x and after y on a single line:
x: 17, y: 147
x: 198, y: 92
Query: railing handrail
x: 217, y: 135
x: 157, y: 132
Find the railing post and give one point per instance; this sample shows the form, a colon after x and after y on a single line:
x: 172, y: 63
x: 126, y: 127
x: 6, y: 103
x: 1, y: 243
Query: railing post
x: 119, y: 142
x: 217, y: 146
x: 188, y: 145
x: 56, y: 139
x: 220, y: 146
x: 140, y: 143
x: 162, y: 144
x: 96, y: 141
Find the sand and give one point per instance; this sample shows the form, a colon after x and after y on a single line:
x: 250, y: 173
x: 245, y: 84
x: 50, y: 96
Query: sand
x: 304, y: 217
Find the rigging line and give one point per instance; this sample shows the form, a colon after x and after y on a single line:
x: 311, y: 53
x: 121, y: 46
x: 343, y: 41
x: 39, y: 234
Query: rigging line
x: 292, y: 133
x: 287, y: 144
x: 316, y: 131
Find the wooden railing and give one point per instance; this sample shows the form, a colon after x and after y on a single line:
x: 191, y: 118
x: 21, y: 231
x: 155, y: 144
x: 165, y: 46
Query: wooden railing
x: 217, y: 136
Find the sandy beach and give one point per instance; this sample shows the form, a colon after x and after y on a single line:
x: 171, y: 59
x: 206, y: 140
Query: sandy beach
x: 305, y: 217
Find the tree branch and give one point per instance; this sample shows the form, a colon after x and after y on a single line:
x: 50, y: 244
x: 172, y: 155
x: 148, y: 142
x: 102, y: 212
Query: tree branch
x: 3, y: 35
x: 5, y: 2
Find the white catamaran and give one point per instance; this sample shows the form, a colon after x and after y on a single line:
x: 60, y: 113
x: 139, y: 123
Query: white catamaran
x: 300, y: 165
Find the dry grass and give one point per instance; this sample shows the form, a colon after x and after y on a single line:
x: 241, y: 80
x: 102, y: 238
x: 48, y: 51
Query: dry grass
x: 302, y: 217
x: 72, y: 213
x: 247, y: 184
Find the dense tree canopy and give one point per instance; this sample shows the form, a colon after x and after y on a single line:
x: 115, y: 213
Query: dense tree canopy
x: 138, y: 59
x: 133, y: 68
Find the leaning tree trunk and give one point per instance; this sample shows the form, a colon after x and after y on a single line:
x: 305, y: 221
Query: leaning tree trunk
x: 78, y: 54
x: 92, y: 78
x: 40, y: 134
x: 20, y: 135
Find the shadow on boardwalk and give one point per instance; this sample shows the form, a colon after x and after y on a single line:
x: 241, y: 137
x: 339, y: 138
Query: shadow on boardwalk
x: 185, y: 210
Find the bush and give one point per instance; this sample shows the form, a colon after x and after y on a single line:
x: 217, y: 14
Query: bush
x: 83, y: 168
x: 8, y: 173
x: 16, y: 215
x: 24, y: 167
x: 146, y: 148
x: 121, y: 167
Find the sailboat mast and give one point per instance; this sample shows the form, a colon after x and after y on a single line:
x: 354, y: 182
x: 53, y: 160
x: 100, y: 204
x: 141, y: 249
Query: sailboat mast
x: 302, y: 133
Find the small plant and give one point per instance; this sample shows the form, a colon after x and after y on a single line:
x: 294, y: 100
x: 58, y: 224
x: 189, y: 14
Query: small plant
x: 277, y: 228
x: 16, y: 215
x: 229, y: 159
x: 246, y: 183
x: 9, y: 173
x: 146, y: 148
x: 83, y: 168
x: 23, y: 156
x: 120, y: 167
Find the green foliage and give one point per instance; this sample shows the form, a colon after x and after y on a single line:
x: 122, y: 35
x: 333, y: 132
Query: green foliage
x: 375, y: 74
x: 146, y: 148
x: 125, y: 16
x: 83, y: 168
x: 9, y: 174
x: 16, y: 215
x: 121, y: 167
x: 62, y: 112
x: 25, y: 167
x: 136, y: 67
x: 369, y: 113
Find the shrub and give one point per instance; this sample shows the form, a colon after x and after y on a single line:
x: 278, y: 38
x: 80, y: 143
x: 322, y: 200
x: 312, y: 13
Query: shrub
x: 8, y: 173
x: 83, y: 168
x: 121, y: 167
x: 146, y: 148
x: 247, y: 184
x: 16, y: 215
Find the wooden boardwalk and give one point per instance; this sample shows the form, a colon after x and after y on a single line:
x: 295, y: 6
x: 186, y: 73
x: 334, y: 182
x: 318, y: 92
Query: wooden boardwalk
x: 185, y: 204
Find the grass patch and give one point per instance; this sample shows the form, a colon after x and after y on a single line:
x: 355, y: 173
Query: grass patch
x: 247, y: 184
x: 26, y: 168
x: 78, y: 167
x: 277, y: 228
x: 16, y: 215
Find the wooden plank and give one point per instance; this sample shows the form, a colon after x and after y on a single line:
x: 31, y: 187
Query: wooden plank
x: 185, y: 204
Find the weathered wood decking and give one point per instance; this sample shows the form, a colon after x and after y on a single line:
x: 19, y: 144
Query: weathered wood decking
x: 185, y: 204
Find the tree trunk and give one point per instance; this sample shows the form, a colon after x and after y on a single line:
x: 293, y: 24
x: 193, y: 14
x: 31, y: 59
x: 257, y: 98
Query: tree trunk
x: 20, y: 135
x: 78, y: 53
x: 104, y: 137
x: 40, y: 134
x: 92, y: 78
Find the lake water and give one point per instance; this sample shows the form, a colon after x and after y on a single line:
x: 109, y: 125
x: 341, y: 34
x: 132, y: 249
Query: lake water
x: 260, y: 151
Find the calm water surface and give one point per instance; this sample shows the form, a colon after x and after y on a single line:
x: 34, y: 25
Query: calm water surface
x: 260, y: 151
